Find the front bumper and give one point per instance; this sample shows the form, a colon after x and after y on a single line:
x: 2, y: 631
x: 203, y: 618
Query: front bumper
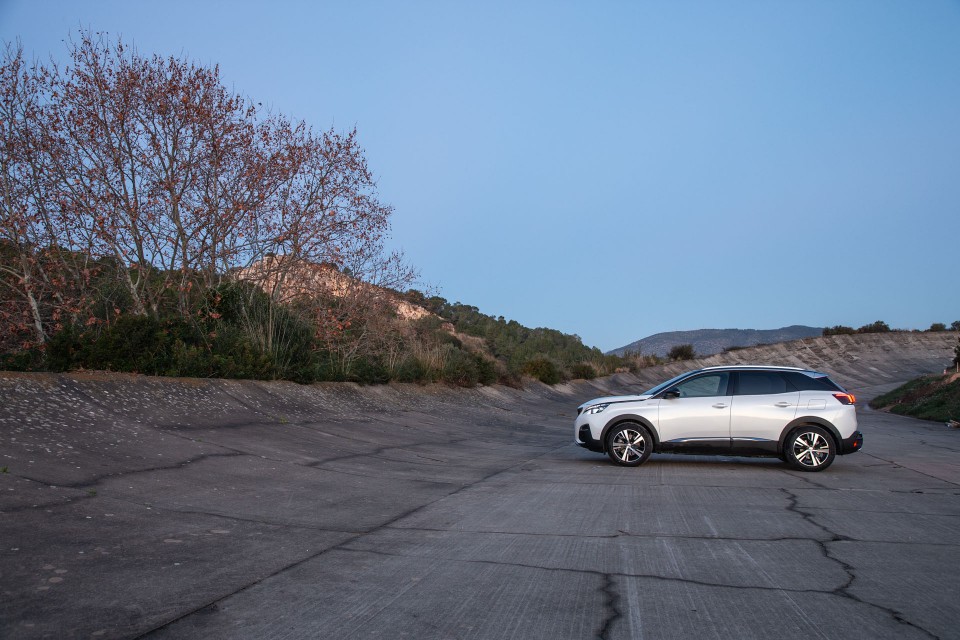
x: 852, y: 444
x: 585, y: 439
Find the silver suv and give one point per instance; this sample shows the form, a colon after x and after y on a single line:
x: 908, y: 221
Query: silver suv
x: 800, y: 416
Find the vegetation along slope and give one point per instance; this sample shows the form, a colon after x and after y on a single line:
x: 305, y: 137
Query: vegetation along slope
x: 934, y: 397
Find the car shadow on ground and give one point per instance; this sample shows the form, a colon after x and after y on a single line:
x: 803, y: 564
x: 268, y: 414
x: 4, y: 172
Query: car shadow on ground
x: 704, y: 461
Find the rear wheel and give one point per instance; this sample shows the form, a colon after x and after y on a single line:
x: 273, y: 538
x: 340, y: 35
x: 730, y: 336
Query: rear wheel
x: 810, y: 448
x: 629, y: 444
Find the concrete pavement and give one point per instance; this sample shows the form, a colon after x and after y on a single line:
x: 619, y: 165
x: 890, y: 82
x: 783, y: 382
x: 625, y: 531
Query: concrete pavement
x: 139, y: 507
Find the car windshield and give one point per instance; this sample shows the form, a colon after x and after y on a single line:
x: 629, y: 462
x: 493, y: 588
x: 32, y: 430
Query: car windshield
x: 665, y: 385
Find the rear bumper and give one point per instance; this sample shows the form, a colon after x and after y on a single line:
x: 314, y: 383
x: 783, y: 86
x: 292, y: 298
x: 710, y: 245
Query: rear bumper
x: 852, y: 444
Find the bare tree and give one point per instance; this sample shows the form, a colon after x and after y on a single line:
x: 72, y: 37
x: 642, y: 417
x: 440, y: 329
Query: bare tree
x: 160, y: 165
x: 44, y: 270
x: 148, y: 170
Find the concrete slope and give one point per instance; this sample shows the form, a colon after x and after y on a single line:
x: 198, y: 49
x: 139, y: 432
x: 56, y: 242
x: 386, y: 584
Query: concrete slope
x: 860, y: 363
x: 133, y: 506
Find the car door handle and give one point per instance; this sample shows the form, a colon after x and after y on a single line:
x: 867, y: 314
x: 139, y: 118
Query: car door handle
x: 720, y: 405
x: 783, y: 404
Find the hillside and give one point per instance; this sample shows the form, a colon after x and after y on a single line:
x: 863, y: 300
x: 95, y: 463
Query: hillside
x: 710, y: 341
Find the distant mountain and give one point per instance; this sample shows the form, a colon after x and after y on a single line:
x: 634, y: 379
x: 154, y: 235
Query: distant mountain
x: 709, y: 341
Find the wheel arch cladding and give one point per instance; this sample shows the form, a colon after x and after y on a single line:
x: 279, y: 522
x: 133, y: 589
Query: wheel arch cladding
x: 618, y: 420
x: 809, y: 421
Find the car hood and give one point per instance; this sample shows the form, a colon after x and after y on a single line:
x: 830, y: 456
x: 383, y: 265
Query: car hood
x: 612, y: 400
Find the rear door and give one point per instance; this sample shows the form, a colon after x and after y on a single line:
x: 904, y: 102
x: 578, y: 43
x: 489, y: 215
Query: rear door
x: 763, y: 404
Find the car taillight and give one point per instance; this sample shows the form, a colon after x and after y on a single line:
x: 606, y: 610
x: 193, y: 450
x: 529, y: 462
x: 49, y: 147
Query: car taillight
x: 845, y: 398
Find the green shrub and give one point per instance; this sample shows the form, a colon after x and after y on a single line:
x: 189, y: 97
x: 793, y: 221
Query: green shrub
x: 411, y: 370
x: 28, y: 360
x: 329, y: 369
x: 137, y: 344
x: 876, y: 327
x: 460, y: 369
x: 486, y: 370
x: 543, y: 369
x: 839, y: 330
x: 175, y: 347
x: 267, y: 327
x: 62, y: 350
x: 368, y: 371
x: 681, y: 352
x: 583, y: 371
x: 937, y: 326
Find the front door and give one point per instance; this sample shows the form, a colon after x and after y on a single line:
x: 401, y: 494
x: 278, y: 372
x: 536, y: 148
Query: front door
x: 699, y: 419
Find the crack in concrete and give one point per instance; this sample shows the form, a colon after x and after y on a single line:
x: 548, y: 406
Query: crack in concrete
x: 657, y: 536
x: 897, y: 464
x: 844, y: 590
x: 216, y: 601
x: 612, y: 598
x: 86, y: 484
x: 224, y: 516
x: 611, y: 606
x: 940, y: 446
x: 376, y: 452
x: 591, y: 572
x: 905, y: 513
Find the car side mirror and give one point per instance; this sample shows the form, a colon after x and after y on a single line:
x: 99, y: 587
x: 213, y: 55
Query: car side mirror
x: 672, y: 394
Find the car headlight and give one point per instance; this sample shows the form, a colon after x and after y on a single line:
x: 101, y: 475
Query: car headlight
x: 596, y: 408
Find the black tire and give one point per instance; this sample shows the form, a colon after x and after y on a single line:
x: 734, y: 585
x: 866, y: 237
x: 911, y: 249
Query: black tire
x: 810, y: 448
x: 629, y: 444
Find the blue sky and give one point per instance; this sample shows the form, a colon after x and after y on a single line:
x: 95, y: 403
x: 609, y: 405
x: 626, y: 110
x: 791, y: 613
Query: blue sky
x: 617, y: 169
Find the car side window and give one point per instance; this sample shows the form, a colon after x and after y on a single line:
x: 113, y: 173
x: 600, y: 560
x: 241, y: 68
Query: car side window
x: 803, y: 382
x: 761, y: 383
x: 711, y: 384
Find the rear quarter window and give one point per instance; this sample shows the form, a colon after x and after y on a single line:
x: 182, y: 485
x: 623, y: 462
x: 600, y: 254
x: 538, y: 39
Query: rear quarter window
x: 803, y: 382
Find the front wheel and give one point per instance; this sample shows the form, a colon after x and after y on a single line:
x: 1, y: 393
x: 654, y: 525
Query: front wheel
x: 629, y: 444
x: 810, y: 448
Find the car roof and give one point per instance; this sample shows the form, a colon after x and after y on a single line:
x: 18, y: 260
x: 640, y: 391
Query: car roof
x: 763, y: 367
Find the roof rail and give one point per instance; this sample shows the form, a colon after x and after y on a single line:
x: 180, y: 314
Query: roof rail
x: 755, y: 366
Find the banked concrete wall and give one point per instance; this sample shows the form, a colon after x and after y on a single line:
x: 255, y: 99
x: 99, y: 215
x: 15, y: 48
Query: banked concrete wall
x: 861, y: 363
x: 31, y: 404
